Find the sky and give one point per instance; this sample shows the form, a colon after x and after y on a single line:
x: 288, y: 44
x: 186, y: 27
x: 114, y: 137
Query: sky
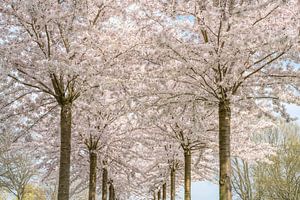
x: 203, y: 190
x: 209, y: 191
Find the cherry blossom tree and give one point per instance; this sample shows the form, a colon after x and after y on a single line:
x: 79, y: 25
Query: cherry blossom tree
x: 93, y: 132
x: 191, y: 138
x: 143, y: 89
x: 207, y: 50
x: 53, y: 49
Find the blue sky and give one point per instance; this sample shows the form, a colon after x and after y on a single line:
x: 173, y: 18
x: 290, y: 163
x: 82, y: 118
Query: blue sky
x: 208, y: 191
x: 294, y: 111
x: 203, y: 191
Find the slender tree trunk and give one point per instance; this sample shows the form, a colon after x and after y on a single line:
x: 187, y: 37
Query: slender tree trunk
x: 173, y: 189
x: 65, y: 152
x: 154, y: 195
x: 224, y: 150
x: 111, y: 191
x: 93, y: 175
x: 104, y: 183
x: 21, y: 193
x: 187, y: 174
x: 164, y: 191
x: 158, y: 195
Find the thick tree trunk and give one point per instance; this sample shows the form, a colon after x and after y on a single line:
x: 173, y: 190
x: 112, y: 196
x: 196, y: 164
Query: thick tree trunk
x: 187, y: 174
x: 164, y: 192
x: 158, y: 195
x: 104, y: 183
x: 93, y: 175
x: 65, y: 152
x: 111, y: 191
x: 224, y: 150
x: 173, y: 184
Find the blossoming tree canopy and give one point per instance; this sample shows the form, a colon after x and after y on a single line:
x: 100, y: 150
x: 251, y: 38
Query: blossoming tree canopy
x: 228, y: 53
x: 139, y: 85
x: 59, y: 49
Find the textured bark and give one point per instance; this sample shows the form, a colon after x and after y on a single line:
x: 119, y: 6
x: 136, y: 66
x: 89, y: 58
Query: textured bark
x: 216, y: 2
x: 225, y: 3
x: 173, y: 183
x: 187, y: 174
x: 158, y: 195
x: 65, y: 151
x: 224, y: 150
x: 111, y: 191
x: 104, y: 183
x: 164, y: 191
x: 93, y: 175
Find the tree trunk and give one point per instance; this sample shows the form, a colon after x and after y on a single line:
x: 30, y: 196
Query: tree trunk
x: 111, y: 191
x: 224, y: 150
x: 216, y: 3
x: 154, y: 195
x: 104, y: 184
x: 187, y: 174
x: 65, y: 151
x: 21, y: 193
x: 93, y: 175
x: 158, y: 195
x: 164, y: 191
x: 173, y: 183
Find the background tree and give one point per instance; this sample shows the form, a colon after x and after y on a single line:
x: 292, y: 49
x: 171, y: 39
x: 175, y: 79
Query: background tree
x: 15, y: 173
x: 33, y: 192
x: 279, y: 177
